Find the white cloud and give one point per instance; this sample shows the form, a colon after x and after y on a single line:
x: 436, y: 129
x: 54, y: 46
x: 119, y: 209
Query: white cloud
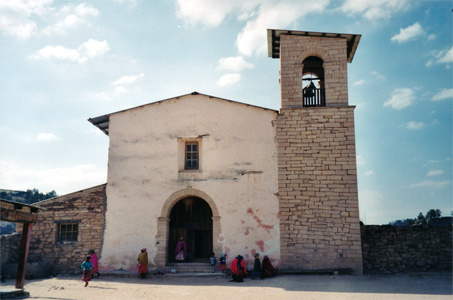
x: 415, y: 125
x: 62, y: 180
x: 16, y: 16
x: 279, y: 14
x: 435, y: 173
x: 128, y: 79
x: 235, y: 64
x: 401, y: 98
x: 258, y: 15
x: 441, y: 57
x: 359, y: 82
x: 432, y: 184
x: 378, y: 76
x: 443, y: 94
x: 20, y: 18
x: 61, y: 27
x: 407, y: 34
x: 431, y: 37
x: 46, y: 137
x: 89, y: 49
x: 368, y: 173
x: 447, y: 58
x: 207, y: 12
x: 92, y: 48
x: 85, y: 10
x: 374, y: 9
x: 58, y: 52
x: 229, y: 79
x: 120, y: 90
x: 73, y: 17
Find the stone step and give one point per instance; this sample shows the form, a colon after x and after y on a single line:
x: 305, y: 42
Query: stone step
x: 188, y: 267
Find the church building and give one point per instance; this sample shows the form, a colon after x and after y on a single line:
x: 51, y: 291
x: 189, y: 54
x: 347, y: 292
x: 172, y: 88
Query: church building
x: 236, y: 178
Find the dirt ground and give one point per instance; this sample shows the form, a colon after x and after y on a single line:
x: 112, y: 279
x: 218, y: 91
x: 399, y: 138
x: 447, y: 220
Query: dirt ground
x: 436, y: 285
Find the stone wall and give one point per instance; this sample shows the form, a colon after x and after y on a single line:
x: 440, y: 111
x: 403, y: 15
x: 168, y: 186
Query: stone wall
x: 85, y: 207
x: 10, y: 246
x: 391, y: 249
x: 319, y: 217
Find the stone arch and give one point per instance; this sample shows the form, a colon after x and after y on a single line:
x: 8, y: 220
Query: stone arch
x: 315, y: 51
x: 187, y: 192
x: 164, y: 220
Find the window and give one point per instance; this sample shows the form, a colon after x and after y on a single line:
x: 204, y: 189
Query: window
x: 68, y: 232
x: 191, y: 157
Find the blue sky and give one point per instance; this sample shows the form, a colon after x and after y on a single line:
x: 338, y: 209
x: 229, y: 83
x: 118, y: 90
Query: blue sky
x: 62, y: 62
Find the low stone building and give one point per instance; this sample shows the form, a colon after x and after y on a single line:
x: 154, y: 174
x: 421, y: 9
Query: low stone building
x: 68, y: 227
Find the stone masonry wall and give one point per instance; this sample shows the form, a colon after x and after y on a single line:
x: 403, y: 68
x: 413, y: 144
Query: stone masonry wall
x: 10, y: 246
x: 85, y: 207
x: 293, y: 51
x: 391, y: 249
x: 319, y: 215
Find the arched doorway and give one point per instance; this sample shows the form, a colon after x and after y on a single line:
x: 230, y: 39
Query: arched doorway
x: 191, y: 218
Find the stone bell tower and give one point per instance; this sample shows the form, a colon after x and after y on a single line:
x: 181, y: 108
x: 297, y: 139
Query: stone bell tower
x: 319, y: 214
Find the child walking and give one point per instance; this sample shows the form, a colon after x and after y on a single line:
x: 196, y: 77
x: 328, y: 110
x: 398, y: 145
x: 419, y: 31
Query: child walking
x: 86, y: 267
x: 212, y: 262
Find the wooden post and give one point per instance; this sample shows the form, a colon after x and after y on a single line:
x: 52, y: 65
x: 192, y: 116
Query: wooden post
x: 23, y: 256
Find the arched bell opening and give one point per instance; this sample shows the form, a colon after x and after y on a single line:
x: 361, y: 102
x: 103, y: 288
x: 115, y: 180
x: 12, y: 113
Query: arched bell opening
x: 314, y: 94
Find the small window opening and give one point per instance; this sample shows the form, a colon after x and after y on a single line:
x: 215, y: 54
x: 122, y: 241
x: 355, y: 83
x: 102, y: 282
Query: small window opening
x: 191, y: 156
x: 68, y: 232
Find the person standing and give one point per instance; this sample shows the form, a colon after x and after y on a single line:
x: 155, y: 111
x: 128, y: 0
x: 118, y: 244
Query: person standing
x: 86, y: 267
x: 181, y: 250
x: 257, y: 267
x: 95, y: 262
x: 143, y: 263
x: 222, y: 264
x: 212, y: 262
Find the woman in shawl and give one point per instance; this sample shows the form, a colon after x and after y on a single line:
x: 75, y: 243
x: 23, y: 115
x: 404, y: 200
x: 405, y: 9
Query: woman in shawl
x: 268, y: 268
x: 181, y: 250
x: 238, y: 269
x: 86, y: 267
x: 143, y: 263
x: 94, y: 261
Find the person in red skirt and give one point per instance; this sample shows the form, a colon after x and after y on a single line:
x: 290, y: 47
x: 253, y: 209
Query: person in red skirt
x: 87, y: 266
x: 94, y: 261
x: 143, y: 263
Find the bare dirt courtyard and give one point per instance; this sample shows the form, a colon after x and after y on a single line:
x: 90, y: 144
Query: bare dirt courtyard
x: 435, y: 285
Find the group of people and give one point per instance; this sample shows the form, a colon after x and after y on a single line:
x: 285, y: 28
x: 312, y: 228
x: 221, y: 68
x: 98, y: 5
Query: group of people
x: 90, y: 267
x: 238, y: 268
x: 260, y: 269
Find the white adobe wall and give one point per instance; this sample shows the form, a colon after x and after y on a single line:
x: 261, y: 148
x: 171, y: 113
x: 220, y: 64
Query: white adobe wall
x: 143, y: 173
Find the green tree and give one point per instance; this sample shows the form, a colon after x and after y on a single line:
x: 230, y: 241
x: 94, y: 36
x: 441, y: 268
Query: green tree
x: 433, y: 213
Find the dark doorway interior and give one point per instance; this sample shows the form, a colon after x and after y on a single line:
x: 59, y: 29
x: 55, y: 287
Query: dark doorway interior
x: 191, y: 218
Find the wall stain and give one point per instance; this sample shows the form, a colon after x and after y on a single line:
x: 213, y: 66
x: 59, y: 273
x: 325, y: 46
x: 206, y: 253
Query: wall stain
x: 260, y: 244
x: 259, y: 221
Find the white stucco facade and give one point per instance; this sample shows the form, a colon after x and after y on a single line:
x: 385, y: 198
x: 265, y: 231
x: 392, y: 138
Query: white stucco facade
x: 237, y: 172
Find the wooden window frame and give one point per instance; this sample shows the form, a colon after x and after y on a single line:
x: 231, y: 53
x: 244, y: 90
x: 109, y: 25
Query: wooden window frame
x: 196, y: 156
x: 74, y: 233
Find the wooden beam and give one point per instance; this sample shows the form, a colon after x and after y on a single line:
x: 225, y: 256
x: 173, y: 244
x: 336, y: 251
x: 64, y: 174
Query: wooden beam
x: 17, y: 216
x: 23, y: 256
